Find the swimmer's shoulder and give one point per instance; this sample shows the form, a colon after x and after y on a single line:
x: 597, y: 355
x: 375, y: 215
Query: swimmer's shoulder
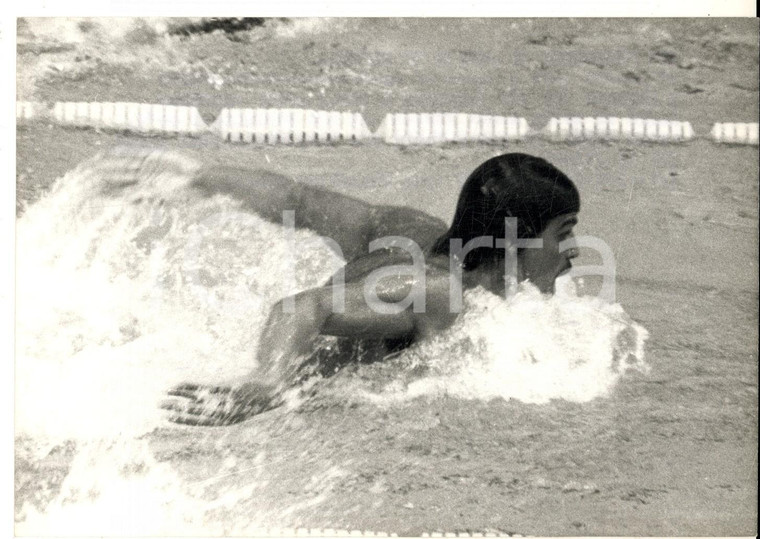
x: 437, y: 314
x: 359, y: 268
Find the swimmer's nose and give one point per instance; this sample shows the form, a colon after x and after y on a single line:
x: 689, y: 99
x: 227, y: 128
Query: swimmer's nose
x: 572, y: 252
x: 569, y: 247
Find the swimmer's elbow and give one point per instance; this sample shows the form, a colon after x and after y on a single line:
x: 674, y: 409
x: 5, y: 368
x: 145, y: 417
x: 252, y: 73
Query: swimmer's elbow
x: 308, y: 308
x: 322, y: 311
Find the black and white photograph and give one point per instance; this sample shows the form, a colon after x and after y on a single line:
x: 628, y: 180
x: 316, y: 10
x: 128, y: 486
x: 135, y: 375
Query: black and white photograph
x: 384, y: 276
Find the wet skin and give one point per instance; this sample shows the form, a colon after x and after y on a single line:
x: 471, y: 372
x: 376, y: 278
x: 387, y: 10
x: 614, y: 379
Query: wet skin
x: 287, y: 338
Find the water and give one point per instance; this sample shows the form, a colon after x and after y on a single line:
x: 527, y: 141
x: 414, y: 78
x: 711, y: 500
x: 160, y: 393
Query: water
x: 129, y: 283
x: 529, y: 348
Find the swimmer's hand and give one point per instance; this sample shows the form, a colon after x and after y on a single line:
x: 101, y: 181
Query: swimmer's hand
x: 216, y: 406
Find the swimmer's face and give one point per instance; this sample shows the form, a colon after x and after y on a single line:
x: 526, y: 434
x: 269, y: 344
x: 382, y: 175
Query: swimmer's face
x: 542, y: 266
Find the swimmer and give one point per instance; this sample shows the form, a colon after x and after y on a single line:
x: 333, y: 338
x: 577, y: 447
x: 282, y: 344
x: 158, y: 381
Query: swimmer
x: 541, y: 199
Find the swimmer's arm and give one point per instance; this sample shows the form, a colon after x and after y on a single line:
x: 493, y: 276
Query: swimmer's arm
x: 344, y: 219
x: 288, y: 336
x: 287, y: 341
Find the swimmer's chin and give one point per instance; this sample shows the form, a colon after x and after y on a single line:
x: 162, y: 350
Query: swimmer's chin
x: 565, y: 271
x: 551, y: 289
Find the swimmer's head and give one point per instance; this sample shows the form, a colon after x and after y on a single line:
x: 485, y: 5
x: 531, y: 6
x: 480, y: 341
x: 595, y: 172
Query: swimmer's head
x: 527, y: 188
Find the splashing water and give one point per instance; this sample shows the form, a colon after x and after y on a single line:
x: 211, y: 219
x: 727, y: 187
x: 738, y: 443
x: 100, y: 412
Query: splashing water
x: 121, y: 297
x: 129, y: 282
x: 530, y: 347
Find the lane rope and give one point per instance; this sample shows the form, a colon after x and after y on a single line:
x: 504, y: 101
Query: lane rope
x: 562, y: 129
x: 296, y: 126
x: 289, y: 126
x: 432, y: 128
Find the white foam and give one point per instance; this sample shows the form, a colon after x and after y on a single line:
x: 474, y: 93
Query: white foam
x: 530, y: 347
x: 119, y: 299
x: 117, y: 488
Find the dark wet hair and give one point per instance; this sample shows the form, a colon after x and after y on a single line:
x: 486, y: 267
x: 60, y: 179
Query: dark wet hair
x: 509, y: 185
